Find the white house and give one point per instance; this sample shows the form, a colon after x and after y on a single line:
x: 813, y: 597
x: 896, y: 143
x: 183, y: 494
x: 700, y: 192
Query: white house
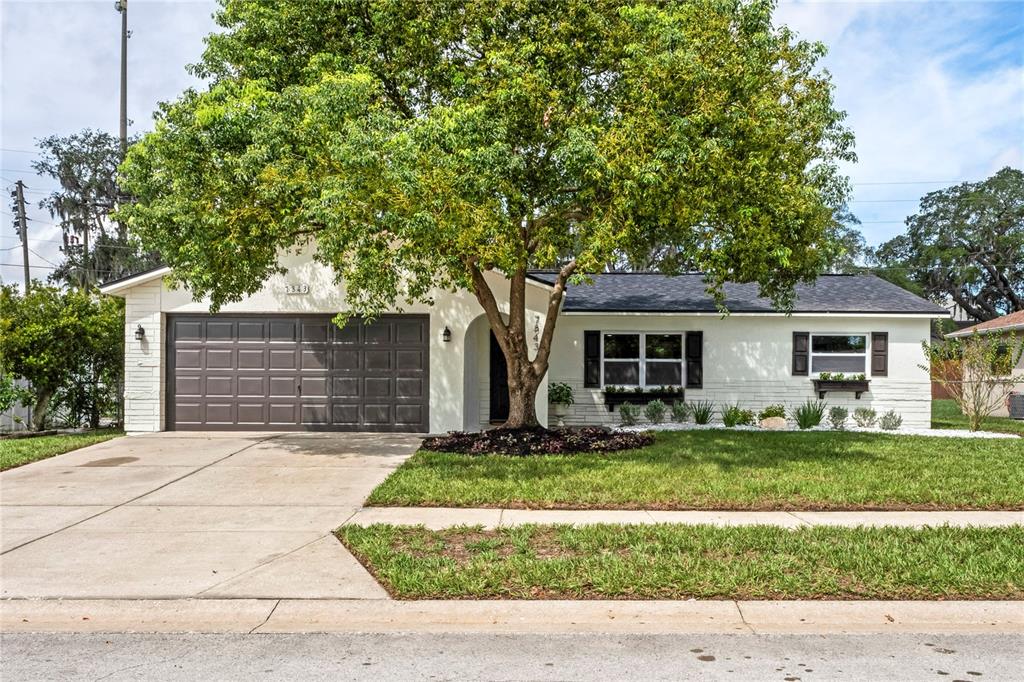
x: 274, y: 361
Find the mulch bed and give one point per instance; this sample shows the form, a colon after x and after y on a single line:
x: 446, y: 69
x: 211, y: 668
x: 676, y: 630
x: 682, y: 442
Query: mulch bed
x: 538, y: 441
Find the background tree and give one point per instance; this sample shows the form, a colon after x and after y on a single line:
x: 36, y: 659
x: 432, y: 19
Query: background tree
x: 67, y: 344
x: 416, y: 146
x: 96, y: 248
x: 965, y: 245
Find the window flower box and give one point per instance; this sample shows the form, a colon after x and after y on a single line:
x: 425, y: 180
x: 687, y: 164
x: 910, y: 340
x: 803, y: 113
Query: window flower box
x: 615, y: 397
x: 855, y: 386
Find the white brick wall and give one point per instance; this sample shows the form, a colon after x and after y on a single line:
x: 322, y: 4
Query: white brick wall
x: 747, y: 360
x: 143, y: 362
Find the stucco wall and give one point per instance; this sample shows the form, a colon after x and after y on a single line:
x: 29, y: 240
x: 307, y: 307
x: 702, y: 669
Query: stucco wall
x: 747, y: 359
x: 149, y: 303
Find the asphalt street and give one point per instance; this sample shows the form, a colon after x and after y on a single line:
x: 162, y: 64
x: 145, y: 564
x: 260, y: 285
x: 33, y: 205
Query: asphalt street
x: 787, y: 658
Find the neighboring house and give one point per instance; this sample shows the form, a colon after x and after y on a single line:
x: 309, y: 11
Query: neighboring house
x: 273, y: 361
x: 18, y: 417
x: 1009, y: 324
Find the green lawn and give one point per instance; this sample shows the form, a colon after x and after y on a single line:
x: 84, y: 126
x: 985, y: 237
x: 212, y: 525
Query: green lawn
x: 723, y: 469
x: 17, y: 451
x: 946, y: 415
x: 703, y: 562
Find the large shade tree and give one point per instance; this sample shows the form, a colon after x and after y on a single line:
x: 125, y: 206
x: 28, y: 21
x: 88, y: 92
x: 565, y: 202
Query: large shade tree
x: 965, y: 245
x: 417, y: 145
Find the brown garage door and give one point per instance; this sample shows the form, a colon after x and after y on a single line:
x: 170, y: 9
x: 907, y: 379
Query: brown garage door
x: 237, y: 372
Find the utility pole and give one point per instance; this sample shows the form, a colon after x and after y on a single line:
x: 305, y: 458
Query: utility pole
x: 122, y: 7
x: 19, y: 200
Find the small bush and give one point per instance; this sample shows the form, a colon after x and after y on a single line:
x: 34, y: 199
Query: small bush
x: 837, y: 418
x: 680, y: 412
x: 865, y: 417
x: 537, y: 441
x: 809, y: 414
x: 655, y: 411
x: 772, y: 411
x: 734, y: 415
x: 702, y: 411
x: 560, y: 394
x: 890, y: 421
x: 629, y: 414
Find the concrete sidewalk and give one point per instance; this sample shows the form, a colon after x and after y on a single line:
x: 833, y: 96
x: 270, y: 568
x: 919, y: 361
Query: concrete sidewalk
x: 437, y: 518
x: 510, y: 617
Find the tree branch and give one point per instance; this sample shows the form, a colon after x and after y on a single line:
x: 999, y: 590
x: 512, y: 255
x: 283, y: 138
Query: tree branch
x: 540, y: 363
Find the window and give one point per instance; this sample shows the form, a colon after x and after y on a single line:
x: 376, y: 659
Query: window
x: 839, y: 353
x: 640, y: 359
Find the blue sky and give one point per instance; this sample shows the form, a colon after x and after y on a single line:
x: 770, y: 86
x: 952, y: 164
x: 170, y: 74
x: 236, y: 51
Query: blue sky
x: 934, y: 91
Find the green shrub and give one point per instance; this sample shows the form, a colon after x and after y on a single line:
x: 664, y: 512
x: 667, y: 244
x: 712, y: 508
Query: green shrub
x: 865, y: 417
x: 772, y: 411
x: 560, y: 394
x: 629, y: 414
x: 734, y: 415
x: 809, y: 414
x: 680, y: 412
x: 837, y: 417
x: 890, y: 421
x: 702, y: 411
x: 655, y: 411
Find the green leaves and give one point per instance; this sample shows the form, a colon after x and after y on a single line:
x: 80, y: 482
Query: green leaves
x: 413, y: 142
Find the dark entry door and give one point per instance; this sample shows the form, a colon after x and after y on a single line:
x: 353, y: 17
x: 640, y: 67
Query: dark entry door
x: 499, y: 383
x: 278, y: 372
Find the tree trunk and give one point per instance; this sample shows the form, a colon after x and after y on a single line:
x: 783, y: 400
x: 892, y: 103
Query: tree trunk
x: 524, y: 375
x: 40, y: 409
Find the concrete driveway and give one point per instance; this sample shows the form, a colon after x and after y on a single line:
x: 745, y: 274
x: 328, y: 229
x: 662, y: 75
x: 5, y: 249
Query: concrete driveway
x: 176, y: 515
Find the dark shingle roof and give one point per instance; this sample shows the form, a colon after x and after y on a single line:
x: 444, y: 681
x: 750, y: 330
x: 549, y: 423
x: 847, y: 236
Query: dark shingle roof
x: 654, y: 292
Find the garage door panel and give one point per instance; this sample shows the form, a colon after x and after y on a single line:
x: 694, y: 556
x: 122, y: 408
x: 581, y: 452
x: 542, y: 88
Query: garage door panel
x: 188, y: 358
x: 220, y: 331
x: 284, y: 387
x: 409, y: 414
x: 345, y: 414
x: 283, y: 331
x: 313, y: 358
x: 283, y: 414
x: 252, y: 332
x: 220, y: 386
x: 409, y: 387
x: 187, y: 330
x: 298, y: 372
x: 282, y: 358
x: 188, y: 385
x: 314, y: 386
x: 251, y: 387
x: 220, y: 358
x: 377, y: 360
x: 377, y: 414
x: 220, y: 413
x: 254, y: 414
x: 252, y: 358
x: 314, y: 413
x: 345, y: 387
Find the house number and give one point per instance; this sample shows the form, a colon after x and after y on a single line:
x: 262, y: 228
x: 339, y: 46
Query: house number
x: 296, y: 288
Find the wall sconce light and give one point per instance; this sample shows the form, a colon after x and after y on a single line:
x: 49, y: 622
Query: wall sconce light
x: 140, y: 333
x: 446, y: 335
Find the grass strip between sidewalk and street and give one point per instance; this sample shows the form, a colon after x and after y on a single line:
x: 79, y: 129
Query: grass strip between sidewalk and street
x: 723, y: 469
x: 14, y: 452
x: 701, y: 562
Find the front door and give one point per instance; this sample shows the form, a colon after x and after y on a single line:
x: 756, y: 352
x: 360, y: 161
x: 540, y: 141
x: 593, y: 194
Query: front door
x: 499, y: 383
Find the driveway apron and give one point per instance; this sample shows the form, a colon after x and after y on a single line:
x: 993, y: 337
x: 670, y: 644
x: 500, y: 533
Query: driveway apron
x: 183, y: 515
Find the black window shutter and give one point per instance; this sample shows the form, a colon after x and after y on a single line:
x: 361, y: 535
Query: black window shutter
x: 592, y: 359
x: 801, y: 347
x: 879, y: 354
x: 694, y: 359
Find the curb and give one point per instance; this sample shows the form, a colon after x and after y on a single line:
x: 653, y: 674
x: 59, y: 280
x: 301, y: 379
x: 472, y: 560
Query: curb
x: 509, y: 617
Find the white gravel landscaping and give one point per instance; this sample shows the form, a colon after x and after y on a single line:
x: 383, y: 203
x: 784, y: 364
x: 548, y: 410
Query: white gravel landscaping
x: 937, y: 433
